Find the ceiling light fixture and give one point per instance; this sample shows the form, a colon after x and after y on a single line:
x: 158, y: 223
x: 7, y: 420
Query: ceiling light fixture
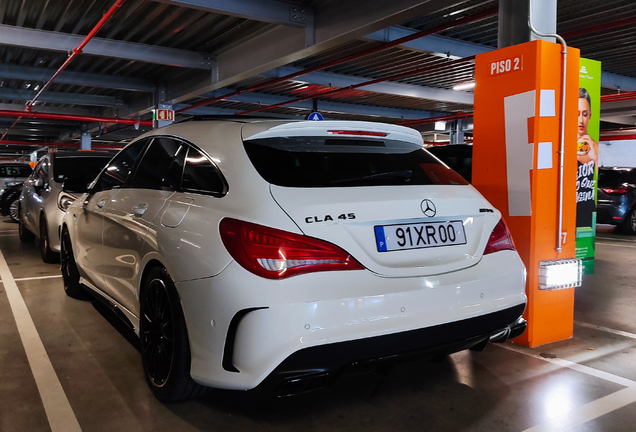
x: 464, y: 86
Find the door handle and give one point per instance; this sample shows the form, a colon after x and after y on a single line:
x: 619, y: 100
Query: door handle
x: 139, y: 210
x: 101, y: 204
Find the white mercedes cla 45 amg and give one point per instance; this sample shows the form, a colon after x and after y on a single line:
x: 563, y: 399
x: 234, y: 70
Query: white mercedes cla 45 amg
x: 275, y: 253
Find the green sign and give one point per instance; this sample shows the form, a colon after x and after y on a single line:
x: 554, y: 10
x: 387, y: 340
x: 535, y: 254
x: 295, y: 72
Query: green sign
x: 587, y: 154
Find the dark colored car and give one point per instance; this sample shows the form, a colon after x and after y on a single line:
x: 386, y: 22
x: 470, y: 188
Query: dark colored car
x: 617, y: 198
x: 457, y: 156
x: 10, y: 200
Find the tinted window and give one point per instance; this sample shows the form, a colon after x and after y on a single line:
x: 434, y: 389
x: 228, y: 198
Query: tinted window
x: 328, y: 162
x: 15, y: 171
x: 200, y: 174
x: 612, y: 177
x: 86, y: 167
x: 161, y: 165
x: 120, y: 168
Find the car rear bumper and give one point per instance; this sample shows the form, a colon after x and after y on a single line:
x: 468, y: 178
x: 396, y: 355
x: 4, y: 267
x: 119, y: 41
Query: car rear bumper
x: 312, y: 368
x: 244, y: 329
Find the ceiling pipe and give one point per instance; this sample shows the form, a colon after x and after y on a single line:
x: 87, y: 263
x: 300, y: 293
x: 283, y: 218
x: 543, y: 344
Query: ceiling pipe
x: 467, y: 20
x: 618, y: 97
x: 77, y: 51
x: 41, y: 115
x: 56, y: 144
x: 364, y: 84
x: 617, y: 137
x: 601, y: 27
x: 451, y: 117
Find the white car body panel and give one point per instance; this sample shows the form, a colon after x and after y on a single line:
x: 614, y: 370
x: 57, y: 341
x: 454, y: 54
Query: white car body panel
x: 335, y: 306
x: 397, y: 291
x: 308, y: 208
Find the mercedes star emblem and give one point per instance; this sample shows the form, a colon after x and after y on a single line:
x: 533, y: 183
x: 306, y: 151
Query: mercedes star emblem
x: 428, y: 208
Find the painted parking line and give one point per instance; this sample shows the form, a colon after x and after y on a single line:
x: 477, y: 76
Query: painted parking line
x: 56, y: 405
x: 38, y: 278
x: 615, y: 244
x: 606, y: 329
x: 590, y: 411
x: 585, y: 413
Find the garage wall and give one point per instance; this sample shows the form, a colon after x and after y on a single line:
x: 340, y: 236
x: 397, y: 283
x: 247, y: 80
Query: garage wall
x: 617, y: 153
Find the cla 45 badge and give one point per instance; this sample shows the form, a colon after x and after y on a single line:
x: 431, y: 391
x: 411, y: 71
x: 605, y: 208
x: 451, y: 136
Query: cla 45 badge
x: 328, y: 218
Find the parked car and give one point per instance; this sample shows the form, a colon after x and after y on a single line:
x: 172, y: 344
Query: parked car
x: 617, y: 198
x: 13, y: 172
x: 44, y: 200
x: 457, y: 156
x: 10, y: 199
x: 277, y: 253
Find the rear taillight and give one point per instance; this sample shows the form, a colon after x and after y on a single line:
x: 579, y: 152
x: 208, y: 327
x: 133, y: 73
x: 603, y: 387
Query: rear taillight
x: 616, y: 191
x: 276, y: 254
x: 500, y: 239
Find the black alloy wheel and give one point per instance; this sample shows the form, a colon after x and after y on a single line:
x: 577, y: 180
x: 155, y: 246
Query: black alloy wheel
x: 14, y: 209
x: 628, y: 226
x: 23, y: 232
x: 165, y: 350
x: 48, y: 256
x: 70, y: 273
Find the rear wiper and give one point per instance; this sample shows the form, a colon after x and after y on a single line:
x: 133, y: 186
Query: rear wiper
x: 405, y: 176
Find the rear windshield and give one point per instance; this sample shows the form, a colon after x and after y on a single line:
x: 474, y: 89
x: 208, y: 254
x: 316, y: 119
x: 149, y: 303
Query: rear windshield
x: 613, y: 177
x: 84, y: 167
x: 320, y: 161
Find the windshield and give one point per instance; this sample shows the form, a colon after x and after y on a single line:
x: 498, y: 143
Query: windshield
x: 80, y: 167
x: 320, y: 161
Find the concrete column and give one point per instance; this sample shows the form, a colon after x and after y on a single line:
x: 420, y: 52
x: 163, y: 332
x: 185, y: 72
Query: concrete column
x: 86, y: 140
x: 513, y: 21
x: 544, y: 18
x: 457, y: 132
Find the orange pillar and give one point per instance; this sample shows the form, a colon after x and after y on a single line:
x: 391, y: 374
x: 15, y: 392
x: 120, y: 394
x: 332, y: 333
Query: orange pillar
x: 516, y: 166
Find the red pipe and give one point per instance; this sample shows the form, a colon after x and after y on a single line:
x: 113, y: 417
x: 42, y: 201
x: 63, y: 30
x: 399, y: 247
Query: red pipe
x: 41, y: 115
x: 617, y: 137
x: 618, y: 97
x: 54, y: 144
x: 77, y: 51
x: 70, y: 58
x: 363, y: 84
x: 384, y: 46
x: 456, y: 116
x: 598, y: 28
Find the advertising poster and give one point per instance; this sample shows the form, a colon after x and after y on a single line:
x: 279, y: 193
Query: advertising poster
x: 587, y: 155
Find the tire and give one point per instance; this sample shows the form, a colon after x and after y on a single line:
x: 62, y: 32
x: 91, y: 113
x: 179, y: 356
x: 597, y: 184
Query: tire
x: 165, y: 350
x: 628, y: 226
x: 70, y: 274
x: 23, y: 232
x: 48, y: 256
x: 14, y: 209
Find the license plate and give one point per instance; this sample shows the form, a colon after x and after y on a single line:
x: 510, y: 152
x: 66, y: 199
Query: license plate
x: 419, y: 235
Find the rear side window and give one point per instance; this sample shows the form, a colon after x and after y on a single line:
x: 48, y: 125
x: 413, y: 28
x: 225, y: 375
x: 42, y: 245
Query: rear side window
x: 321, y: 161
x: 120, y: 168
x: 86, y: 167
x: 161, y: 165
x: 201, y: 175
x: 611, y: 178
x: 15, y: 171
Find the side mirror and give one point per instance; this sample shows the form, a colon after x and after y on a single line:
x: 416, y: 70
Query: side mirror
x: 75, y: 184
x: 38, y: 184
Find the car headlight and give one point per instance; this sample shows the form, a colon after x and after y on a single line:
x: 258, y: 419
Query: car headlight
x: 65, y: 201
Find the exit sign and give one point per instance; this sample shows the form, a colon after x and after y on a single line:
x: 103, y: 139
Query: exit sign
x: 164, y: 114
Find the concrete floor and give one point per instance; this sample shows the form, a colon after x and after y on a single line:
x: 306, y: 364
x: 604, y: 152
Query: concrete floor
x: 587, y: 383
